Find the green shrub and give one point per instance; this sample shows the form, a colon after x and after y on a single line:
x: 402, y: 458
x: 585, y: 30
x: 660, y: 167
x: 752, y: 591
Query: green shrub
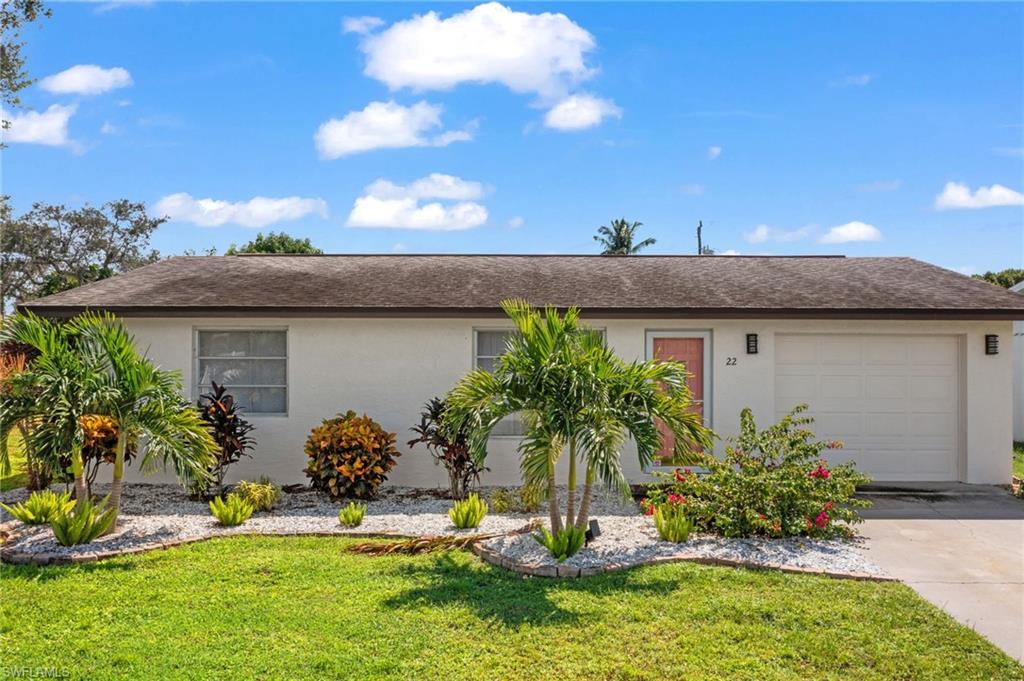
x: 468, y: 512
x: 231, y: 510
x: 771, y: 483
x: 41, y: 507
x: 450, y: 449
x: 349, y: 456
x: 672, y: 522
x: 526, y: 499
x: 564, y: 543
x: 263, y: 495
x: 83, y: 523
x: 352, y: 515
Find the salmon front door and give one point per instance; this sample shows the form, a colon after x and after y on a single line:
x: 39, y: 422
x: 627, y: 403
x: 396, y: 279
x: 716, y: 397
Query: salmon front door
x: 691, y: 350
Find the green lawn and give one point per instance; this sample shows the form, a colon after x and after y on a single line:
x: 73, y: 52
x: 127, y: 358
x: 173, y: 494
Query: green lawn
x: 273, y: 608
x: 1018, y: 459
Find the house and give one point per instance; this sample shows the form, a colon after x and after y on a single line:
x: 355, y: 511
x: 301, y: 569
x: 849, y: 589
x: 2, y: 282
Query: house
x: 1018, y: 372
x: 908, y: 364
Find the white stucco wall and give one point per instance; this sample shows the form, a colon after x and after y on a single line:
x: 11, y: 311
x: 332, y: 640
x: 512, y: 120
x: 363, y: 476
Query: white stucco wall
x: 389, y: 367
x: 1018, y: 381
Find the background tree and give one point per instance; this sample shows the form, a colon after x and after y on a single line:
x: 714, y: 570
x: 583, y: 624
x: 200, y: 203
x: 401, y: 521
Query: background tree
x: 274, y: 242
x: 52, y: 248
x: 1005, y: 278
x: 618, y: 238
x: 13, y: 76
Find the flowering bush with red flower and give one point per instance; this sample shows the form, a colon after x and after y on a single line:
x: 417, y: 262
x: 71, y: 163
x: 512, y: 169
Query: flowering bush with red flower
x: 771, y: 483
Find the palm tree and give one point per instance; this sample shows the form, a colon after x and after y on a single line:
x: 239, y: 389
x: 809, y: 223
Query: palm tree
x: 575, y: 393
x: 52, y: 395
x: 618, y: 238
x: 147, y: 405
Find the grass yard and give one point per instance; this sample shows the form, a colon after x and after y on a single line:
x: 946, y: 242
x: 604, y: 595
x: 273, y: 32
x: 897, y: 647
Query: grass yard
x: 1018, y: 459
x: 302, y: 608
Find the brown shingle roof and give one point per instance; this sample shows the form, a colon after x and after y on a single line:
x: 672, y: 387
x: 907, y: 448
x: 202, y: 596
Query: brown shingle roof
x: 601, y: 285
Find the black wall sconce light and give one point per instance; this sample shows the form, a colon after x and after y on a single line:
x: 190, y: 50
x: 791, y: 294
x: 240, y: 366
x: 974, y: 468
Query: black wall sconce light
x: 751, y: 343
x: 991, y: 344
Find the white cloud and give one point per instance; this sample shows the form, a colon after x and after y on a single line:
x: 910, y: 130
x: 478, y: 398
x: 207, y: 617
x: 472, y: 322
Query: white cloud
x: 86, y: 79
x: 542, y: 54
x: 693, y: 189
x: 49, y: 127
x: 578, y: 112
x: 361, y: 25
x: 515, y: 222
x: 856, y: 80
x: 108, y: 128
x: 259, y: 211
x: 880, y: 186
x: 105, y: 7
x: 385, y: 204
x: 851, y: 231
x: 967, y: 270
x: 729, y: 252
x: 714, y: 152
x: 957, y: 196
x: 385, y: 125
x: 763, y: 233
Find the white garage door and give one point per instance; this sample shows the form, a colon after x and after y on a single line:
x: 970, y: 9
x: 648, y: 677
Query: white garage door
x: 892, y: 400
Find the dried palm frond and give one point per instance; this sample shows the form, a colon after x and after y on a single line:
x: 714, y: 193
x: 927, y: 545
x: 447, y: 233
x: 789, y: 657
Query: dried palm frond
x: 431, y: 543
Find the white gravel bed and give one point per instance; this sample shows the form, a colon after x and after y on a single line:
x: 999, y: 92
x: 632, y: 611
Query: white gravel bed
x: 164, y: 513
x: 633, y: 540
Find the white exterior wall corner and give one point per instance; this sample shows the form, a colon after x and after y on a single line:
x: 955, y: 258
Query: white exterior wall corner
x: 388, y: 367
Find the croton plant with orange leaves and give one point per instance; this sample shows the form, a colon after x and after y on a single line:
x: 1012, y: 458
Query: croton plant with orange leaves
x: 350, y: 456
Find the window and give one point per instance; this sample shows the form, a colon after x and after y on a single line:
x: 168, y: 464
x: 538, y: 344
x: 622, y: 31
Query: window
x: 490, y: 345
x: 252, y: 363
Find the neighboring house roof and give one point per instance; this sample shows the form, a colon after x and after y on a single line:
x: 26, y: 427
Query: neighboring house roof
x: 1018, y: 287
x: 719, y: 286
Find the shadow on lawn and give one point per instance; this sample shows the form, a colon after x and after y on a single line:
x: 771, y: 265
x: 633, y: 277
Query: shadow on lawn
x: 47, y: 573
x: 499, y: 596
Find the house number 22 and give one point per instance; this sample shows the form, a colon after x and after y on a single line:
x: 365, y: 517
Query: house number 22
x: 730, y: 361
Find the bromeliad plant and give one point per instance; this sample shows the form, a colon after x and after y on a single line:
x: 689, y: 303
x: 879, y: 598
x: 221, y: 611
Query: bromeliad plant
x: 83, y: 523
x: 349, y: 456
x: 771, y: 483
x: 466, y: 513
x: 574, y: 395
x: 231, y: 510
x: 671, y: 521
x: 263, y: 495
x: 223, y: 418
x: 352, y: 515
x: 449, y: 449
x: 564, y: 543
x: 41, y: 508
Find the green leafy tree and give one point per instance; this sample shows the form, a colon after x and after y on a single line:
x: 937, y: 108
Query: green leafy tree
x: 1005, y: 278
x: 274, y: 242
x: 14, y: 78
x: 574, y: 394
x: 52, y: 248
x: 618, y: 238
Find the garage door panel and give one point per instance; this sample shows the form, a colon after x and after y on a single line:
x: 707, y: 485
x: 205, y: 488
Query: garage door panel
x: 892, y: 400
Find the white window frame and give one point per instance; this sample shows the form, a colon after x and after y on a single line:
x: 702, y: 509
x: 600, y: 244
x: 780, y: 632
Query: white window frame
x: 196, y: 392
x: 475, y: 358
x: 707, y: 336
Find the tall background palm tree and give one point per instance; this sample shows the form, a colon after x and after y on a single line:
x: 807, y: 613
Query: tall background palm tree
x: 617, y: 239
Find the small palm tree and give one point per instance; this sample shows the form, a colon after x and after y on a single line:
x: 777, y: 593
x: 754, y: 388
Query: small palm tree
x: 618, y: 238
x: 574, y: 393
x: 147, y: 405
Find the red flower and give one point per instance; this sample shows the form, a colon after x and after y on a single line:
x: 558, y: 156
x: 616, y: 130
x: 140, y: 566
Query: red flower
x: 821, y: 520
x: 820, y: 472
x: 676, y: 499
x: 834, y: 444
x: 808, y: 523
x: 829, y: 505
x: 649, y: 510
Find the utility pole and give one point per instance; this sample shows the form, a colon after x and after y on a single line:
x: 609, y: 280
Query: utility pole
x: 700, y: 245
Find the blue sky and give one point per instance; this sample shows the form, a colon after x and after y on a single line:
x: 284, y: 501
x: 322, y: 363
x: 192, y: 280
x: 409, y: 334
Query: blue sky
x: 867, y: 129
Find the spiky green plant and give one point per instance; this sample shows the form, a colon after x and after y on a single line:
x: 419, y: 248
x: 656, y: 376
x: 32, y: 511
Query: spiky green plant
x: 672, y: 522
x: 231, y: 510
x: 563, y: 543
x: 263, y: 495
x: 84, y: 522
x: 468, y: 512
x: 41, y: 507
x: 352, y: 515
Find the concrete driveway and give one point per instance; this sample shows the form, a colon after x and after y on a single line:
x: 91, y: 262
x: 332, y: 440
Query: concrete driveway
x: 961, y: 547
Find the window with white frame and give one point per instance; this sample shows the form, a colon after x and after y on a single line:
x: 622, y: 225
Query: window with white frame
x: 490, y: 345
x: 251, y: 363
